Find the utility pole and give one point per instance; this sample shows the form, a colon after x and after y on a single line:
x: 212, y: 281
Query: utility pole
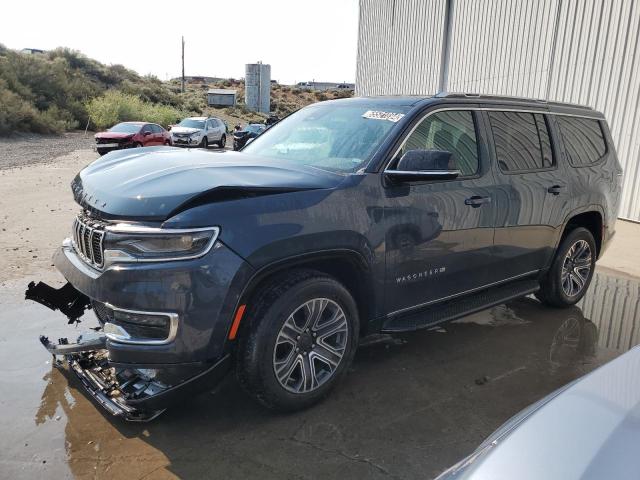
x: 182, y: 85
x: 445, y: 55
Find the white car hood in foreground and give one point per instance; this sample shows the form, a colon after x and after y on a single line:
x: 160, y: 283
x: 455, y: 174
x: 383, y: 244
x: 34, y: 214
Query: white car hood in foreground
x: 590, y: 429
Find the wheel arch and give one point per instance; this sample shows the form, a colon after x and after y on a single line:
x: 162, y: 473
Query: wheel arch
x: 591, y: 218
x: 349, y: 267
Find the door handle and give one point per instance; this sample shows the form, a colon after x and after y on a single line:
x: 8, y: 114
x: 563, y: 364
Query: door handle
x: 555, y: 190
x: 477, y: 201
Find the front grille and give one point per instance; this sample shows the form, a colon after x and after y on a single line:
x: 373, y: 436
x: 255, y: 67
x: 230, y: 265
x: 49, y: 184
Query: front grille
x: 88, y: 236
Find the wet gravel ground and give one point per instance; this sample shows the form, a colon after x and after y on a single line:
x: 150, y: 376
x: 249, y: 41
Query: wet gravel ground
x: 411, y: 406
x: 28, y: 149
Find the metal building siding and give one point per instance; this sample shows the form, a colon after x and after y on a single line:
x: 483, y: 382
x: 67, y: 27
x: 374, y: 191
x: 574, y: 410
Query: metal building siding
x: 613, y: 305
x: 513, y: 47
x: 397, y: 45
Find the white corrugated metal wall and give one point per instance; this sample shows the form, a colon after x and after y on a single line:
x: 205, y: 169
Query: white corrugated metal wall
x: 613, y: 305
x: 579, y: 51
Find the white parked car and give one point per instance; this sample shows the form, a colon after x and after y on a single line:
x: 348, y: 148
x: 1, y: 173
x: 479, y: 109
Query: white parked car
x: 199, y: 132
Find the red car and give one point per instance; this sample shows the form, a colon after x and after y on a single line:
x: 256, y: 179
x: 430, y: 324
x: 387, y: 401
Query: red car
x: 131, y: 135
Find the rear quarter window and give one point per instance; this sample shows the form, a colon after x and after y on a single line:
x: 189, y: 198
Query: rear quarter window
x: 584, y: 141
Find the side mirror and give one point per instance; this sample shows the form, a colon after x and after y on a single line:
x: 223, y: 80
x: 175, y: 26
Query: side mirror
x: 418, y: 165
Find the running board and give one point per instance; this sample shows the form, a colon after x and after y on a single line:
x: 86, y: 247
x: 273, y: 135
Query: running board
x: 459, y: 307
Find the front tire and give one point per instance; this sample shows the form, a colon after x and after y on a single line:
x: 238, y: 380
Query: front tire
x: 223, y: 141
x: 299, y: 339
x: 571, y: 271
x: 204, y: 143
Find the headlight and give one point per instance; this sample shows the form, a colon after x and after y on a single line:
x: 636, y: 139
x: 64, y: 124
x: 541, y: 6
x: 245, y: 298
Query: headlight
x: 194, y: 136
x: 130, y: 243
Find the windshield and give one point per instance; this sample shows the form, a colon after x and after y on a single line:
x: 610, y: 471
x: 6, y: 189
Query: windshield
x: 329, y: 136
x: 189, y: 123
x: 125, y: 128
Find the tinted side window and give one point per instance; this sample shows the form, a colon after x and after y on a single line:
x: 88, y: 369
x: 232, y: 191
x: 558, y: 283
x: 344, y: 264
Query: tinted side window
x: 545, y: 141
x: 452, y: 131
x: 156, y: 128
x: 146, y: 128
x: 522, y: 141
x: 583, y: 140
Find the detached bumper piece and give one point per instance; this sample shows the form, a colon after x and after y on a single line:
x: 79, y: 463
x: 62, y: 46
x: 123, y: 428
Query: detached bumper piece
x: 67, y: 299
x: 135, y: 392
x: 114, y: 388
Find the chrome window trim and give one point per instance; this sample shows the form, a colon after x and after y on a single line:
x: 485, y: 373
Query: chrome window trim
x: 479, y: 109
x: 118, y: 338
x: 418, y: 173
x: 471, y: 290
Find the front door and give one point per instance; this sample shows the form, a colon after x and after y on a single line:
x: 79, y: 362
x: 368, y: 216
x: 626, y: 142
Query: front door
x: 439, y: 234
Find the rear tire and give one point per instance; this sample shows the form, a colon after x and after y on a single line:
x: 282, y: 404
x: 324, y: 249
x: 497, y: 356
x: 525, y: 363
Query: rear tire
x: 298, y: 340
x: 571, y: 271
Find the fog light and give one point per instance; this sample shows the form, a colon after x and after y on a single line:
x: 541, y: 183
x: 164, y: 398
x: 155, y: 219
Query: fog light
x: 126, y: 326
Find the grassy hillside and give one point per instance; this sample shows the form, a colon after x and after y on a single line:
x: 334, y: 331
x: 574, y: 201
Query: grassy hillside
x: 62, y: 90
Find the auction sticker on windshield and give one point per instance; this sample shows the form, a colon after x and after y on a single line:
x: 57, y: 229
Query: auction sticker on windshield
x: 377, y: 115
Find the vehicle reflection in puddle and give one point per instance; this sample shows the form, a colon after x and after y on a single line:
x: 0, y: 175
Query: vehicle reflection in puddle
x: 413, y: 404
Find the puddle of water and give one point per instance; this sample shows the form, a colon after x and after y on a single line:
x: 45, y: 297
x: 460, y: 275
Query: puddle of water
x: 420, y: 389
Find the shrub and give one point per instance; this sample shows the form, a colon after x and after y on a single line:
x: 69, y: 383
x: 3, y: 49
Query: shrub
x: 18, y: 115
x: 115, y: 106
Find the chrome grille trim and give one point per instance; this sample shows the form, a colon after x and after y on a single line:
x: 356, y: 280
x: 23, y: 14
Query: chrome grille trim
x: 88, y: 237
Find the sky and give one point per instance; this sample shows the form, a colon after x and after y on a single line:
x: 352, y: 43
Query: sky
x: 302, y: 40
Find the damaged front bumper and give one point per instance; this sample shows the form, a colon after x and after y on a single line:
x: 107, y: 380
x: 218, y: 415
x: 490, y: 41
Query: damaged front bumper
x: 134, y: 392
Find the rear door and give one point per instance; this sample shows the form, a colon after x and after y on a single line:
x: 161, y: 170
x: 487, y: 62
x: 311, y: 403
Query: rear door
x: 158, y: 137
x: 531, y: 191
x: 439, y: 234
x: 220, y: 129
x: 209, y: 130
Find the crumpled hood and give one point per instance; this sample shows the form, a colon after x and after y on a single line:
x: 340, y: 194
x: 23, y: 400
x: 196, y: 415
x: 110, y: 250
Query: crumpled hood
x: 185, y: 130
x: 153, y: 183
x: 117, y: 135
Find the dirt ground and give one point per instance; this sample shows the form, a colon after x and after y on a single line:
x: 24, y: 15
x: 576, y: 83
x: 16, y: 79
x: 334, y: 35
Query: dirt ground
x: 411, y: 405
x: 31, y: 148
x: 36, y: 212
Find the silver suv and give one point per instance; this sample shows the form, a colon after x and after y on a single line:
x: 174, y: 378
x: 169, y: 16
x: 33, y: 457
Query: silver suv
x: 199, y: 132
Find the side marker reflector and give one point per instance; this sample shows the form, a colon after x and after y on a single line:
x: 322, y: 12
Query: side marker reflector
x: 236, y: 322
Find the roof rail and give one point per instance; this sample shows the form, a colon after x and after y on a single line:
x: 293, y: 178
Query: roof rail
x: 487, y: 96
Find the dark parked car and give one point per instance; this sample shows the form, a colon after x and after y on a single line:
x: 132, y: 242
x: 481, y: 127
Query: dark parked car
x: 131, y: 135
x: 250, y: 131
x: 347, y: 218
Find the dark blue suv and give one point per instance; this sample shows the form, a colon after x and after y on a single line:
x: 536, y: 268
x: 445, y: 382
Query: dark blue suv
x: 347, y: 218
